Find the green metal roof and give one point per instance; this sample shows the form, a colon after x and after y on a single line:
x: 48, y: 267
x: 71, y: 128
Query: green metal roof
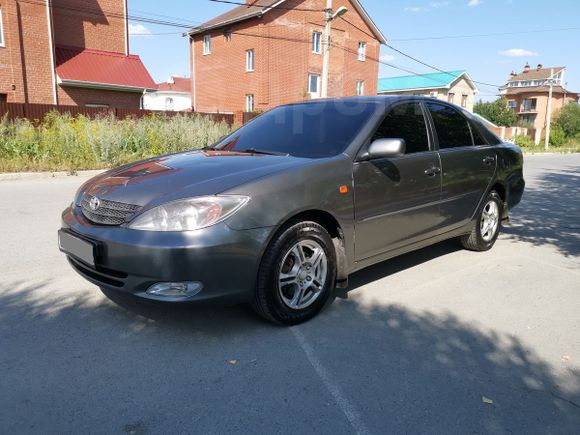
x: 422, y: 81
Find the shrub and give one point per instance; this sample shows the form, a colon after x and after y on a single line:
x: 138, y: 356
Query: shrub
x: 524, y: 141
x: 568, y: 119
x: 557, y: 136
x: 63, y: 142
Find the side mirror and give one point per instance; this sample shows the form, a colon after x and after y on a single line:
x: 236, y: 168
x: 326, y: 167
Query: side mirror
x: 385, y: 148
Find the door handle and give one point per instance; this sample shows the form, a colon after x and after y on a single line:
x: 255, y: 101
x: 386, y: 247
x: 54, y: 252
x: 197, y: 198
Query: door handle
x: 488, y: 160
x: 431, y: 172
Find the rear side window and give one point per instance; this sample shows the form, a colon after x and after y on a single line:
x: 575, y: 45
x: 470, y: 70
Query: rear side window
x: 405, y: 121
x: 478, y: 138
x: 451, y: 126
x: 489, y: 137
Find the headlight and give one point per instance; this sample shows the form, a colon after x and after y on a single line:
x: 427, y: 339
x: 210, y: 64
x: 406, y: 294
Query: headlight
x: 190, y: 214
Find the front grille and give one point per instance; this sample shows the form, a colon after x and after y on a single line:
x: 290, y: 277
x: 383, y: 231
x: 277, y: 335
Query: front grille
x: 109, y: 212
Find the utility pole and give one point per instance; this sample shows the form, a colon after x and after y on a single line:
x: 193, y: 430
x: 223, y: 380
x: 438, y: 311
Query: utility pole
x: 549, y: 114
x: 329, y: 16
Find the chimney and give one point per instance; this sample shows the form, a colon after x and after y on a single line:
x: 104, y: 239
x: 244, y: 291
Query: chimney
x: 527, y: 68
x: 539, y: 67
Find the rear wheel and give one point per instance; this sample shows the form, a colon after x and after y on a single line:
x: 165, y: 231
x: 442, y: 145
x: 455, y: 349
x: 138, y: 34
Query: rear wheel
x: 297, y: 274
x: 488, y: 225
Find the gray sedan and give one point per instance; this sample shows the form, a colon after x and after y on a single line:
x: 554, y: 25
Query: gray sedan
x: 281, y: 211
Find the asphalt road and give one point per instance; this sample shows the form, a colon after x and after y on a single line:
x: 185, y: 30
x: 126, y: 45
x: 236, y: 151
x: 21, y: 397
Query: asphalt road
x: 415, y: 345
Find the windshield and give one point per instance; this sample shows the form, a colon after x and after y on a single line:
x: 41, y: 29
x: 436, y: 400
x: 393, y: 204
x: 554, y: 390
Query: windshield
x: 303, y: 130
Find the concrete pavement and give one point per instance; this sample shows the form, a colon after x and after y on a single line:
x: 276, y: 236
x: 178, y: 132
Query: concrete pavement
x: 414, y: 346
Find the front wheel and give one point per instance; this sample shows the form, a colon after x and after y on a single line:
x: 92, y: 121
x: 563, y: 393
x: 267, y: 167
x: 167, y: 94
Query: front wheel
x: 488, y: 225
x: 297, y: 274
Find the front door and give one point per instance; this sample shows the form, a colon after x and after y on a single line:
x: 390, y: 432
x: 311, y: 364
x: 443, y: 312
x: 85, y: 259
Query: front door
x: 397, y: 199
x: 467, y: 162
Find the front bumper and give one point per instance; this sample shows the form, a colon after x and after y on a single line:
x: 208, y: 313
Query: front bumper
x: 224, y: 260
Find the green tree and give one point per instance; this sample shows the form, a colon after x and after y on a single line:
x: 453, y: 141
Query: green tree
x: 497, y: 112
x: 568, y: 119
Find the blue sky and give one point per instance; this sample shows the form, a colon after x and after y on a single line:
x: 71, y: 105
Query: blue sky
x: 487, y: 59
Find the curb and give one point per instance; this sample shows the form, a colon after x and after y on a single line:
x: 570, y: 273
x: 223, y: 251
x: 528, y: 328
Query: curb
x: 15, y: 176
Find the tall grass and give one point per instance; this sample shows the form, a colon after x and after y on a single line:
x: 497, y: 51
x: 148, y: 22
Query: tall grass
x: 63, y: 142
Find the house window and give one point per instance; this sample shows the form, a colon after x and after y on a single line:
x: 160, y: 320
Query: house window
x: 228, y: 35
x: 1, y: 30
x: 250, y: 60
x: 464, y: 100
x: 206, y: 45
x: 512, y: 104
x: 317, y: 42
x: 250, y: 103
x: 169, y: 104
x: 314, y: 85
x: 360, y: 87
x: 529, y: 105
x: 362, y: 51
x: 451, y: 97
x: 3, y: 98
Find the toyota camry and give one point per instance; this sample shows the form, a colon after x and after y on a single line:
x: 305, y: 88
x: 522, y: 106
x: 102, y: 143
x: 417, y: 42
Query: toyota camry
x: 281, y: 212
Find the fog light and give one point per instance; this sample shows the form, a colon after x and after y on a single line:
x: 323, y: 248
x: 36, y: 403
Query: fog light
x: 174, y: 290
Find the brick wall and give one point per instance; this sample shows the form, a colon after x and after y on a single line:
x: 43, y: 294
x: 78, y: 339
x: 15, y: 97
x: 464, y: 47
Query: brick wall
x: 95, y: 24
x: 25, y: 68
x: 81, y: 97
x: 283, y: 59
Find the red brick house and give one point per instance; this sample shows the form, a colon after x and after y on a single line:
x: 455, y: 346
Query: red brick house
x: 256, y: 57
x: 69, y: 52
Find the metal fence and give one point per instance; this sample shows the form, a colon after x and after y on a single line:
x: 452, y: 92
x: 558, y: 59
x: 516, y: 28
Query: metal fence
x: 37, y: 112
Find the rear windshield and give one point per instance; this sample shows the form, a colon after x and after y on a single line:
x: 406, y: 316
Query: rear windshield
x: 303, y: 130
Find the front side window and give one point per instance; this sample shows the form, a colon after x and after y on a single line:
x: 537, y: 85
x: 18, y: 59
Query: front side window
x: 362, y: 51
x: 250, y: 60
x: 360, y: 87
x: 1, y: 30
x: 309, y: 130
x: 317, y: 42
x: 207, y: 44
x: 250, y: 103
x: 451, y: 126
x: 405, y: 121
x: 314, y: 85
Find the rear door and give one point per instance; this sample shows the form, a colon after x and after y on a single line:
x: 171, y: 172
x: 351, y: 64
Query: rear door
x: 467, y: 162
x: 397, y: 199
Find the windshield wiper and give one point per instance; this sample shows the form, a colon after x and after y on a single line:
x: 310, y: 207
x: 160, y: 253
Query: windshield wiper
x: 264, y: 152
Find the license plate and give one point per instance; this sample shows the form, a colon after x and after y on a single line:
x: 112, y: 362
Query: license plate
x: 79, y: 248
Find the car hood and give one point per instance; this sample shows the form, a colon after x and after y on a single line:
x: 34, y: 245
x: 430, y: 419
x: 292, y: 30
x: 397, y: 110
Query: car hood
x: 196, y: 173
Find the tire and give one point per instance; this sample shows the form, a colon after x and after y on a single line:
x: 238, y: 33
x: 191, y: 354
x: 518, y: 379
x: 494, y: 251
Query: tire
x: 482, y: 238
x: 291, y: 290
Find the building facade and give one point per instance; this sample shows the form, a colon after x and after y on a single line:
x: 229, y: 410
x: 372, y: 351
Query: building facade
x: 66, y: 52
x: 174, y: 95
x: 257, y: 57
x: 527, y: 94
x: 453, y: 86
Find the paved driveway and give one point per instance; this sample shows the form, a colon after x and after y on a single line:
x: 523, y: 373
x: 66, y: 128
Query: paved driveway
x: 414, y: 346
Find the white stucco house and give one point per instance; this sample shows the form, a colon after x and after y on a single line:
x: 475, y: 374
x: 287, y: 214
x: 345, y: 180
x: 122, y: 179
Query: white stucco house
x: 174, y: 95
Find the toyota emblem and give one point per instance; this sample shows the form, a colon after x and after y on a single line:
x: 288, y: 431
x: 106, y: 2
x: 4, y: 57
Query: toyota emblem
x: 94, y: 203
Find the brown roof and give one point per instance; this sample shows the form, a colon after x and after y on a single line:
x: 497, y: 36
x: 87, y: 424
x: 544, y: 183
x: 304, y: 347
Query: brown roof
x: 180, y: 84
x: 538, y: 89
x: 237, y: 14
x: 245, y: 12
x: 536, y: 74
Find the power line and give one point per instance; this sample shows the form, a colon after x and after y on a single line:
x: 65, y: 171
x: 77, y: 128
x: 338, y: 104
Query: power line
x: 414, y: 58
x: 484, y: 35
x: 255, y: 4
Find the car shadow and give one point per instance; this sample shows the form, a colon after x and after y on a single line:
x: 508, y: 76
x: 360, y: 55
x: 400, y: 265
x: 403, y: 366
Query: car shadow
x: 107, y: 369
x: 549, y: 214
